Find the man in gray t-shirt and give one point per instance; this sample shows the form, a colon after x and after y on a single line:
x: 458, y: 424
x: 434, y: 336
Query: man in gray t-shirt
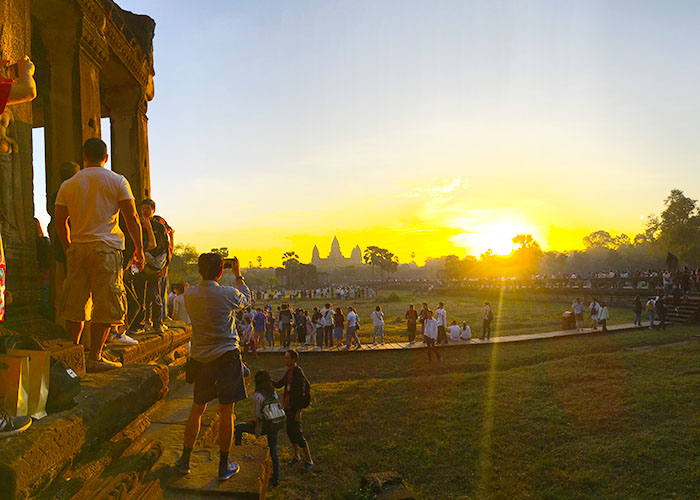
x: 215, y: 354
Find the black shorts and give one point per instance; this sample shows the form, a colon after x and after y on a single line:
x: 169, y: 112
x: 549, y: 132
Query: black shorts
x: 222, y: 379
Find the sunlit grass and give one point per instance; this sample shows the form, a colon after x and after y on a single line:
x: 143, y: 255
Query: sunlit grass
x: 567, y: 418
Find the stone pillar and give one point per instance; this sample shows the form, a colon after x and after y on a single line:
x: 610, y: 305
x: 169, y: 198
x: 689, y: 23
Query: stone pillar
x: 16, y: 175
x: 129, y: 128
x: 74, y: 51
x: 70, y: 50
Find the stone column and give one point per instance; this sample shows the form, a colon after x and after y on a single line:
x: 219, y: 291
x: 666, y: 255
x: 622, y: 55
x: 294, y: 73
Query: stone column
x: 70, y: 52
x: 129, y: 128
x: 16, y: 175
x: 74, y: 52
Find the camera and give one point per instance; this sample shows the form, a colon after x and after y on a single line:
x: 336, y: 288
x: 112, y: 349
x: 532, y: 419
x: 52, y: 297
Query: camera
x: 228, y: 263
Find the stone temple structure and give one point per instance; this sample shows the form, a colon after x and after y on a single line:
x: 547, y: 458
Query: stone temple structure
x: 335, y: 257
x: 93, y: 60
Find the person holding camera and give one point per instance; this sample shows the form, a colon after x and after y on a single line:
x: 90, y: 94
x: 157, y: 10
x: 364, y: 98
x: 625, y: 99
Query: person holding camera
x: 215, y: 364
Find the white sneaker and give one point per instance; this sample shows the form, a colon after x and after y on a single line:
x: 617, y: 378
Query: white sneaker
x: 122, y: 339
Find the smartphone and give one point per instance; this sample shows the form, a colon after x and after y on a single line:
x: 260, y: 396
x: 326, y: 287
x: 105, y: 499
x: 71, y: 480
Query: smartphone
x: 228, y: 263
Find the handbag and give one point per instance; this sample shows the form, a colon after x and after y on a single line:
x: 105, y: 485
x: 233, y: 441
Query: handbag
x: 39, y: 369
x: 14, y: 384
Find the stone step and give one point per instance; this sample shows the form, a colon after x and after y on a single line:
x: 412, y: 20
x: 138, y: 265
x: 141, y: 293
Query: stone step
x: 107, y: 404
x: 124, y: 474
x: 93, y: 463
x: 152, y: 346
x: 249, y: 484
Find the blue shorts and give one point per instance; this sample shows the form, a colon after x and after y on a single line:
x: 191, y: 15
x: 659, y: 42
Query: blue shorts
x: 222, y: 379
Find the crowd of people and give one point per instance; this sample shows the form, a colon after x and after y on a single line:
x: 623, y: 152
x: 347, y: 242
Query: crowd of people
x: 328, y: 326
x: 340, y: 292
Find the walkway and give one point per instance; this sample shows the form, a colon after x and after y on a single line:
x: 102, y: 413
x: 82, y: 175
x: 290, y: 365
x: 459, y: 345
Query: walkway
x: 419, y: 344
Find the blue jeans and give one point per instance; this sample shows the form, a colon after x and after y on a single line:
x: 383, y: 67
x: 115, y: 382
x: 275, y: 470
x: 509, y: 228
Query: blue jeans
x: 147, y: 287
x: 352, y: 335
x: 379, y: 329
x: 164, y: 285
x: 245, y: 427
x: 651, y: 318
x: 638, y: 318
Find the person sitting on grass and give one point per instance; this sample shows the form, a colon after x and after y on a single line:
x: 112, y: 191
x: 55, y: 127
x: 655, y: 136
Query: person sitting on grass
x: 454, y: 330
x: 264, y: 394
x: 216, y: 356
x: 294, y: 382
x: 430, y: 333
x: 466, y: 331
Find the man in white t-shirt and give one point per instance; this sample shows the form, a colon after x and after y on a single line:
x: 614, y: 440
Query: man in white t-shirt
x: 441, y: 317
x: 327, y: 319
x: 455, y: 330
x: 92, y: 200
x: 351, y: 332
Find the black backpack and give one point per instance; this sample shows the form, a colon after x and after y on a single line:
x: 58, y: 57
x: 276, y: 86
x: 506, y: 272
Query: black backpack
x: 306, y: 394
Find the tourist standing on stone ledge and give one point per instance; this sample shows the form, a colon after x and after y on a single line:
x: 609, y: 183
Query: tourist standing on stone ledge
x: 216, y: 355
x: 147, y: 283
x: 93, y: 243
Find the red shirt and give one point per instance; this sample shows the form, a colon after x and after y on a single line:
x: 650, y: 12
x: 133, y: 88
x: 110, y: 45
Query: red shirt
x: 5, y: 86
x: 411, y: 316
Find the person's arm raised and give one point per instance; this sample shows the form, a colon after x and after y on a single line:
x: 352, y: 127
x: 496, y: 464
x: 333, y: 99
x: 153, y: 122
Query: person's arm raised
x: 128, y: 209
x: 23, y: 88
x: 146, y: 224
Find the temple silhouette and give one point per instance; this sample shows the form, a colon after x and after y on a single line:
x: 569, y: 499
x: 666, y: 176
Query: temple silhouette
x: 335, y: 257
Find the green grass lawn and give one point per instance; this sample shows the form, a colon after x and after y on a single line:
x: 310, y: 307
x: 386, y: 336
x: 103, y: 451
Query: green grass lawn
x: 513, y: 316
x: 580, y: 417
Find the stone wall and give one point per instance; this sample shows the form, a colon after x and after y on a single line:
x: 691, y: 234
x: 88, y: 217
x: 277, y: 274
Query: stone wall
x: 17, y: 198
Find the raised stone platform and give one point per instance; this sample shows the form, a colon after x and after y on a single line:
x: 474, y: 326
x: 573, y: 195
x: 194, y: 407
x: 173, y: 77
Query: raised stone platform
x: 151, y: 345
x: 107, y: 404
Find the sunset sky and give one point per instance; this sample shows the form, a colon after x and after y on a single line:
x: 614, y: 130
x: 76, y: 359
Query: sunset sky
x: 420, y: 126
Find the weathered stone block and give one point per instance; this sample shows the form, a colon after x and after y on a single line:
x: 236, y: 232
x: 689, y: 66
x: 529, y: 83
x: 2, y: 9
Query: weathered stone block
x: 377, y: 481
x: 108, y: 403
x: 249, y: 484
x: 396, y: 492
